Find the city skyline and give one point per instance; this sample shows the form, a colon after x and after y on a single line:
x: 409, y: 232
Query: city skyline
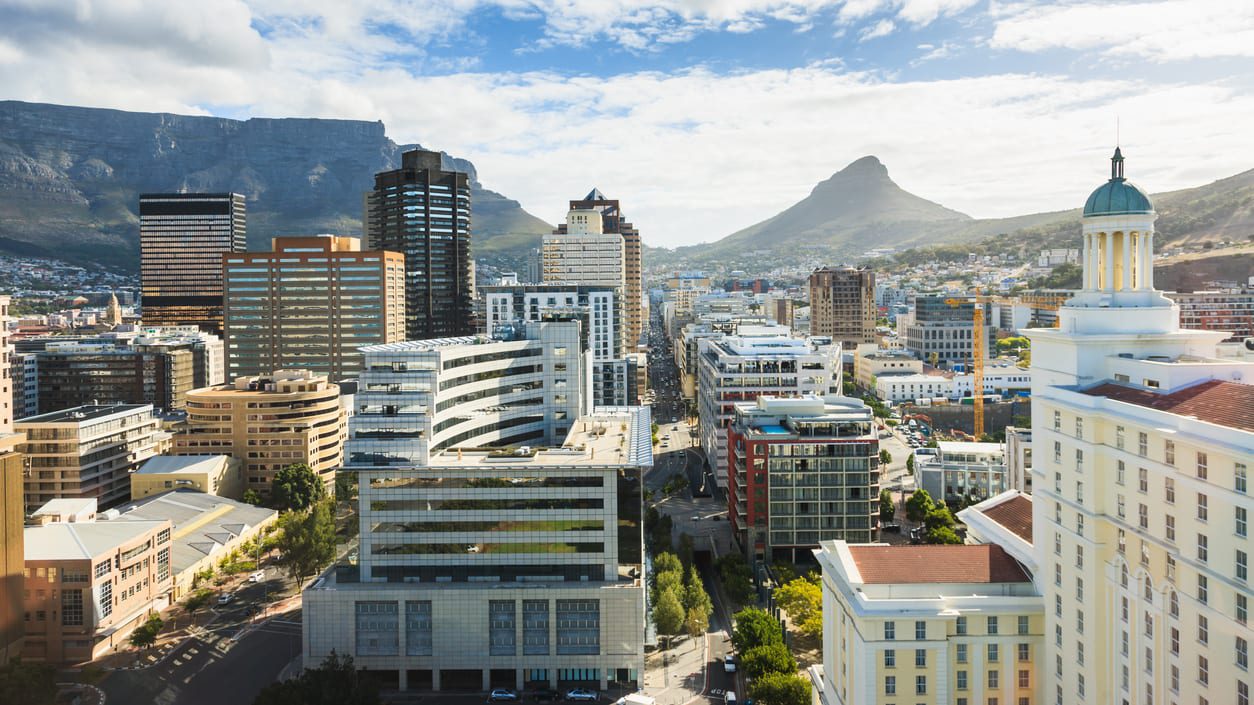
x: 588, y: 83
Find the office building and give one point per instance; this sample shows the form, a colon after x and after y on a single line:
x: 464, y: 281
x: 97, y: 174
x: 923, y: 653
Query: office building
x: 927, y: 624
x: 309, y: 304
x: 842, y: 305
x: 267, y: 422
x: 802, y: 471
x: 182, y: 237
x: 1140, y: 486
x: 744, y: 367
x: 514, y: 567
x: 219, y: 475
x: 962, y: 471
x: 417, y: 398
x: 24, y: 378
x: 422, y: 211
x: 940, y: 331
x: 1231, y: 311
x: 90, y: 583
x: 870, y: 362
x: 12, y: 562
x: 88, y: 452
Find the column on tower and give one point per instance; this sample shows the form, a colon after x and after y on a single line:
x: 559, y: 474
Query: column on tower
x: 1088, y: 262
x: 1125, y: 277
x: 1146, y: 281
x: 1108, y: 269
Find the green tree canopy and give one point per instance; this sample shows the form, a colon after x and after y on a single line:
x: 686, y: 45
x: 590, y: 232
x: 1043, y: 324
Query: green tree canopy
x: 736, y: 576
x: 888, y: 508
x: 767, y: 658
x: 296, y: 488
x: 938, y: 516
x: 802, y: 599
x: 27, y: 683
x: 943, y: 535
x: 307, y: 541
x: 919, y: 504
x: 885, y: 457
x: 335, y: 682
x: 755, y: 627
x: 780, y: 689
x: 697, y: 622
x: 668, y: 614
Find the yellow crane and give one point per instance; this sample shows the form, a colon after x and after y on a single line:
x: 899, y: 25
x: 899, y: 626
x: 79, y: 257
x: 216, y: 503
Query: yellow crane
x: 978, y: 354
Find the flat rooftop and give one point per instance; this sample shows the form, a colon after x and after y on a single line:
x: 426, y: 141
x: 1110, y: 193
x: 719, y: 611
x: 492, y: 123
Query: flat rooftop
x: 421, y: 345
x: 61, y: 541
x: 83, y: 414
x: 881, y: 564
x: 177, y: 464
x: 595, y: 439
x: 1223, y: 403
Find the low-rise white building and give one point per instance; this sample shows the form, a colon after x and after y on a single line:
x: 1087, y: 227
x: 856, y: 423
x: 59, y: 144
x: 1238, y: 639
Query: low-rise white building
x: 961, y: 470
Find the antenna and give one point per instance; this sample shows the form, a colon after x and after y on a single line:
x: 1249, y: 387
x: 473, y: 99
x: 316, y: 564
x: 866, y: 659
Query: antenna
x: 1116, y: 130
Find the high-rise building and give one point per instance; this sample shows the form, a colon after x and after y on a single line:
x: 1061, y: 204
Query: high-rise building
x: 182, y: 237
x: 940, y: 332
x: 309, y: 304
x: 76, y: 375
x: 802, y: 471
x: 482, y: 568
x: 88, y: 452
x: 611, y: 221
x: 1143, y: 439
x: 267, y: 422
x: 842, y: 305
x: 11, y: 507
x: 423, y: 212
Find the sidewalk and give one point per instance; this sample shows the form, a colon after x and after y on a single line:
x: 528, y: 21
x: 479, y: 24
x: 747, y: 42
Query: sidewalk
x: 677, y: 675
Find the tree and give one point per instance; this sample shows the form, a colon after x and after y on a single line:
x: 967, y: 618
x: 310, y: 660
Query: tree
x: 736, y: 576
x: 686, y: 549
x: 919, y: 504
x: 27, y: 683
x: 251, y: 497
x: 345, y: 486
x: 335, y: 682
x: 296, y: 488
x: 802, y: 599
x: 938, y: 517
x: 668, y: 614
x: 910, y: 463
x: 669, y: 581
x: 888, y: 508
x: 307, y: 543
x: 885, y: 457
x: 145, y: 635
x: 755, y: 627
x: 697, y: 622
x: 666, y: 563
x: 767, y: 658
x: 780, y: 689
x: 943, y: 535
x: 695, y: 596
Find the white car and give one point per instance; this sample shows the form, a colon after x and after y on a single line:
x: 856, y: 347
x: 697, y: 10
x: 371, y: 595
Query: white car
x: 581, y: 695
x: 226, y: 598
x: 729, y: 663
x: 257, y: 576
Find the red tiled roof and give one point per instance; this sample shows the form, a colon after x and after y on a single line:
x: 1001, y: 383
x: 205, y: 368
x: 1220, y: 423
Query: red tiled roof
x: 985, y: 563
x: 1015, y: 514
x: 1229, y: 404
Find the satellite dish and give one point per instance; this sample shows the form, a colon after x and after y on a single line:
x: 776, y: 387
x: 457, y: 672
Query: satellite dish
x: 1249, y: 344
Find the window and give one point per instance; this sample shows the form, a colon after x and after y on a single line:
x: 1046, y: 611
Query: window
x: 418, y: 627
x: 992, y: 625
x: 960, y: 679
x: 1079, y: 492
x: 1025, y: 679
x: 993, y: 679
x: 1058, y: 482
x: 1058, y: 574
x: 920, y: 685
x: 1080, y: 684
x: 1239, y: 479
x: 960, y: 626
x: 1057, y: 421
x: 1201, y: 466
x: 1169, y: 489
x: 1024, y: 652
x: 1057, y: 605
x: 1171, y: 527
x: 1242, y: 566
x: 72, y: 608
x: 1203, y: 670
x: 1143, y: 516
x: 1119, y: 437
x: 1057, y: 512
x: 377, y: 628
x: 1079, y: 589
x: 1169, y: 452
x: 1123, y: 609
x: 1142, y: 479
x: 1142, y: 444
x: 1243, y: 654
x: 890, y: 685
x: 1174, y: 642
x: 1120, y: 469
x: 992, y: 653
x: 1171, y: 568
x: 1243, y: 693
x: 1079, y: 524
x: 1242, y: 608
x: 1202, y: 551
x: 1079, y: 428
x: 1079, y: 459
x: 1203, y: 589
x: 1023, y: 624
x: 890, y: 630
x: 1058, y: 634
x: 1079, y: 621
x: 1121, y: 543
x: 106, y: 597
x: 1079, y: 652
x: 1120, y: 509
x: 1241, y: 521
x: 1203, y: 629
x: 1079, y: 556
x: 960, y: 653
x: 890, y: 658
x: 1057, y: 544
x: 920, y: 658
x: 1202, y: 507
x: 920, y: 629
x: 1174, y: 683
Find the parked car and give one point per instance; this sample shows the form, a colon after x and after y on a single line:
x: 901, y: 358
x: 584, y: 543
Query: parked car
x: 544, y: 695
x: 257, y: 576
x: 226, y: 598
x: 729, y: 663
x: 581, y: 695
x: 891, y: 528
x: 502, y: 695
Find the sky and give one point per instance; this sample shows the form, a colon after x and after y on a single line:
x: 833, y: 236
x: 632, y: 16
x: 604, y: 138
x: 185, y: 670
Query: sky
x: 701, y: 116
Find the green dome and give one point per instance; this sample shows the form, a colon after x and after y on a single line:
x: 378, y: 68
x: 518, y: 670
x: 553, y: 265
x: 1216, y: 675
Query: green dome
x: 1117, y: 196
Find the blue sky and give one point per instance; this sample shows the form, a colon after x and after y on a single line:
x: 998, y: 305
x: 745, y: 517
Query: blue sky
x: 703, y: 116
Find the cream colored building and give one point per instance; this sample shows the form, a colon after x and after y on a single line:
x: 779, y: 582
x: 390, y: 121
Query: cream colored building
x: 871, y: 361
x: 942, y: 625
x: 583, y: 253
x: 219, y: 475
x: 1143, y: 440
x: 268, y: 423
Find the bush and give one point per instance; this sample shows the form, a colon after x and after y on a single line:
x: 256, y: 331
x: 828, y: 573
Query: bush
x: 766, y: 659
x: 736, y: 577
x: 780, y: 689
x: 753, y: 628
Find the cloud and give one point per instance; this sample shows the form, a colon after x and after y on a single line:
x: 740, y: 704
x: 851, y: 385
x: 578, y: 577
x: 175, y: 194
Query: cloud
x: 1160, y: 30
x: 883, y: 28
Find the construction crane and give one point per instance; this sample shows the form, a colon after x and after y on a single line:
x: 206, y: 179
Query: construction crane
x: 978, y: 342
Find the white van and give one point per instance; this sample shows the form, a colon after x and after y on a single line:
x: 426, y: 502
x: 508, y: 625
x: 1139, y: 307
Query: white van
x: 730, y: 698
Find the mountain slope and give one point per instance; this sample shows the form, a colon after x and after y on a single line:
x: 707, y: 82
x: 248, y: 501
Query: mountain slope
x: 70, y: 177
x: 840, y: 212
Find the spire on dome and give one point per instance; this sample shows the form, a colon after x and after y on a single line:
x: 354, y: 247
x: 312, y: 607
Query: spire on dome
x: 1116, y: 166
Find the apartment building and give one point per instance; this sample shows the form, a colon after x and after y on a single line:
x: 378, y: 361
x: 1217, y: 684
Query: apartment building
x: 422, y: 211
x: 1142, y: 443
x: 871, y: 362
x: 940, y: 332
x: 310, y: 303
x: 940, y: 625
x: 267, y: 422
x: 743, y: 367
x: 417, y: 398
x: 89, y: 583
x: 12, y: 560
x: 182, y: 237
x: 88, y: 452
x: 517, y: 567
x: 842, y: 305
x: 802, y: 471
x: 960, y: 470
x: 614, y: 221
x: 1231, y: 311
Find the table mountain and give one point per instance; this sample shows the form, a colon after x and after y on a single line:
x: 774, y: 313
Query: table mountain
x: 70, y: 178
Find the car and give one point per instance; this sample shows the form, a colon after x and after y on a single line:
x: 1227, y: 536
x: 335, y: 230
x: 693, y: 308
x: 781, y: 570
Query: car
x: 502, y: 695
x: 696, y: 517
x: 226, y: 598
x: 544, y: 695
x: 729, y: 663
x: 472, y: 549
x: 581, y: 695
x: 257, y: 576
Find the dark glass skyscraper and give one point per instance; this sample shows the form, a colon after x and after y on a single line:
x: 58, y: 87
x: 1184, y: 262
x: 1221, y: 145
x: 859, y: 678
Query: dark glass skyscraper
x: 423, y: 211
x: 182, y: 237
